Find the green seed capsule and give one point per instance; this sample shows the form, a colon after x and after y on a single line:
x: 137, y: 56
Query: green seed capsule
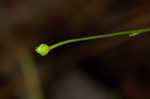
x: 43, y: 49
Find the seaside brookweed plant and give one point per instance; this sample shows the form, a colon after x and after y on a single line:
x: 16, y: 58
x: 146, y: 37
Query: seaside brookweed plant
x: 44, y: 49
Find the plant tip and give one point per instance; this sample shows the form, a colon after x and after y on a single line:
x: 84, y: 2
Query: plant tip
x: 42, y: 49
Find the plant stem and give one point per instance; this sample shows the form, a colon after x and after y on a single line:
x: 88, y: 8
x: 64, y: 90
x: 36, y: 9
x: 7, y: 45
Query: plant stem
x: 31, y: 76
x: 43, y: 49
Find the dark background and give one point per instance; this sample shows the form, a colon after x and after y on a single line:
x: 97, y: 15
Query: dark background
x: 93, y: 69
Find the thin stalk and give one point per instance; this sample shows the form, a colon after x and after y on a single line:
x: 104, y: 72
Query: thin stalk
x: 44, y: 49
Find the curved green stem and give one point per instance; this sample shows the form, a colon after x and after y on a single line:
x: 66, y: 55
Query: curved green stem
x: 44, y: 49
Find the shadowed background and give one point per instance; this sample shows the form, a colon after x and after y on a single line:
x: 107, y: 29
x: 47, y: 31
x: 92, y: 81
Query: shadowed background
x: 96, y: 69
